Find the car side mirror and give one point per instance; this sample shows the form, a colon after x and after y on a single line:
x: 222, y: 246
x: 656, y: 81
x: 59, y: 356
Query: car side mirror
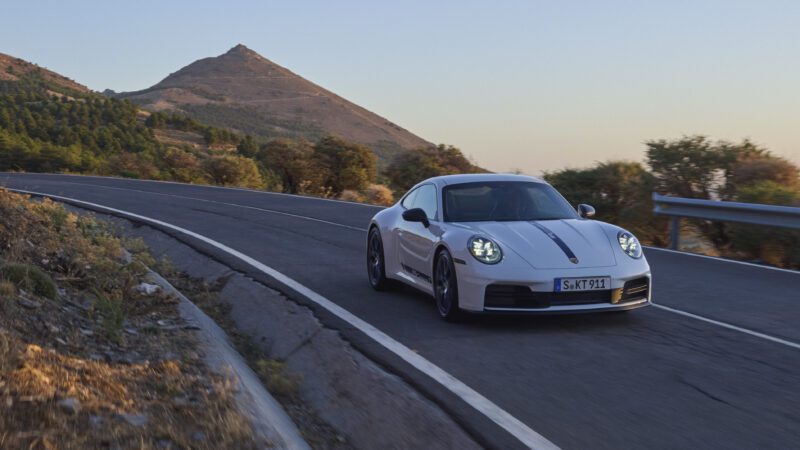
x: 416, y: 215
x: 585, y: 211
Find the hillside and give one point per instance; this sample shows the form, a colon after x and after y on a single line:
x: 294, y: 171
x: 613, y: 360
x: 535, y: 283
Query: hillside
x: 247, y: 92
x: 49, y: 123
x: 15, y: 69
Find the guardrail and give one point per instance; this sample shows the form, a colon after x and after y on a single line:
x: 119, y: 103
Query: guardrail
x: 751, y: 213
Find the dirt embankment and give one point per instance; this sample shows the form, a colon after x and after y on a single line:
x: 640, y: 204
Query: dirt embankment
x: 91, y: 356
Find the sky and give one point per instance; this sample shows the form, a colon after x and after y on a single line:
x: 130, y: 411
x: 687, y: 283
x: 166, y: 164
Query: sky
x: 534, y: 85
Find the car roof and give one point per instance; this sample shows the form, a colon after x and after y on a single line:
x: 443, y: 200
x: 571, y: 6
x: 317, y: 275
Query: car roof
x: 445, y: 180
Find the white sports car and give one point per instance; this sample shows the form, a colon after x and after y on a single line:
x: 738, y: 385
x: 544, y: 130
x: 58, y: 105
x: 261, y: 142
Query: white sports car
x: 505, y: 243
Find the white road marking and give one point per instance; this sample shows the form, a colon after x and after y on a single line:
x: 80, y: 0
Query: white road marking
x: 511, y: 424
x: 729, y: 326
x: 732, y: 261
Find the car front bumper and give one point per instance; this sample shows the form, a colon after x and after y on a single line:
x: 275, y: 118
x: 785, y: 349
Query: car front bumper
x: 571, y: 309
x: 535, y: 295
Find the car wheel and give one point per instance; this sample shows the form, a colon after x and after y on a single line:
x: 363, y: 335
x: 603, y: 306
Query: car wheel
x: 376, y: 263
x: 445, y: 287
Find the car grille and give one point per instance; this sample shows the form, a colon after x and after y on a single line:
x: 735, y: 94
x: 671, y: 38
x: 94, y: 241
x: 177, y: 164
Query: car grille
x: 635, y: 289
x: 514, y: 296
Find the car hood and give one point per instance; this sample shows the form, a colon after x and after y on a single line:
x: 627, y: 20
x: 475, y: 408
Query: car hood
x: 549, y: 244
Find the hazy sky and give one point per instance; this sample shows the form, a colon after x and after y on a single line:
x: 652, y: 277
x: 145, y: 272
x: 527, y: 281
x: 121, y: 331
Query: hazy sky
x: 534, y: 85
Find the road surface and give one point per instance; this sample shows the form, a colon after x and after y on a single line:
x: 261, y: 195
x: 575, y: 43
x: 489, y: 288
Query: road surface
x: 652, y: 378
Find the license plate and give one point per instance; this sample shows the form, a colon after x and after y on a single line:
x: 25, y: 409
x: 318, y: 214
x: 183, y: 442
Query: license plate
x: 582, y: 284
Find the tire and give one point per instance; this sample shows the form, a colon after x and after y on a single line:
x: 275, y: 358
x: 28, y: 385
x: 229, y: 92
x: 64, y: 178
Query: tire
x: 376, y: 262
x: 445, y: 287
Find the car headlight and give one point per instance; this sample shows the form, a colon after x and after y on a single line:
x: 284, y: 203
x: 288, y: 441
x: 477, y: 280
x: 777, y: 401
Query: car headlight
x: 629, y: 244
x: 485, y: 250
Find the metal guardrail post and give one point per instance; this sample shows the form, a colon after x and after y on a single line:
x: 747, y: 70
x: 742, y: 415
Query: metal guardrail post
x: 675, y: 233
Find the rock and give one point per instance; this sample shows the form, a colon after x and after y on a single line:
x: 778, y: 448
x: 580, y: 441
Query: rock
x: 131, y: 331
x: 148, y: 289
x: 198, y: 436
x: 86, y: 332
x: 61, y: 341
x: 70, y: 405
x: 96, y: 357
x: 122, y: 359
x: 163, y: 323
x: 29, y: 304
x: 164, y: 443
x: 137, y: 420
x: 96, y: 421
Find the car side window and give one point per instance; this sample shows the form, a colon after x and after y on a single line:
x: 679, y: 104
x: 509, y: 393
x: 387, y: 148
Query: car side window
x: 426, y: 199
x: 408, y: 201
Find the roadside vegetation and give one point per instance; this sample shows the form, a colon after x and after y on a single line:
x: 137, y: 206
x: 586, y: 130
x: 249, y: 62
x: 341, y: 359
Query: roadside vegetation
x: 90, y: 355
x: 694, y: 167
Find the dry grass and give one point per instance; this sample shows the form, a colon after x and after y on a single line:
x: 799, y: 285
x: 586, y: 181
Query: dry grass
x: 276, y: 377
x: 351, y: 196
x: 99, y: 342
x: 30, y: 413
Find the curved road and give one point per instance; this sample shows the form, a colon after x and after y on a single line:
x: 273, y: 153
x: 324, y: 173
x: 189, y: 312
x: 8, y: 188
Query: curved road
x: 653, y: 378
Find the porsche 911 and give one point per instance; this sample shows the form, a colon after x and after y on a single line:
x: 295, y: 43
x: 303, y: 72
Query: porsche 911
x: 490, y: 243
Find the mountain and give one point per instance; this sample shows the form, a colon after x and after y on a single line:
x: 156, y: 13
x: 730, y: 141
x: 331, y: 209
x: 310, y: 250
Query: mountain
x: 13, y: 69
x: 244, y: 91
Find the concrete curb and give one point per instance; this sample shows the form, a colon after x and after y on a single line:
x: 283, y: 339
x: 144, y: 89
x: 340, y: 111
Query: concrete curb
x: 268, y: 418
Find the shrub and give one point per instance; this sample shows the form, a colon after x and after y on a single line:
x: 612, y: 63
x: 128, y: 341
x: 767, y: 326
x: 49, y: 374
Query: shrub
x: 234, y: 171
x: 378, y: 194
x: 7, y: 292
x: 113, y: 315
x: 351, y: 196
x: 411, y: 167
x: 774, y: 246
x: 30, y: 278
x: 7, y: 289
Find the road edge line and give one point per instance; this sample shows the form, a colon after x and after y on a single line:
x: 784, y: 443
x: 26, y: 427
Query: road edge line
x: 728, y: 326
x: 725, y: 260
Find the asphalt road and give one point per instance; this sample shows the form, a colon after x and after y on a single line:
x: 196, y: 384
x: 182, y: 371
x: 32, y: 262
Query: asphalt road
x: 647, y: 379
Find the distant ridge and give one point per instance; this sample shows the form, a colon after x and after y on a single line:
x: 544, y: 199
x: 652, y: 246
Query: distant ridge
x: 13, y: 68
x: 245, y: 91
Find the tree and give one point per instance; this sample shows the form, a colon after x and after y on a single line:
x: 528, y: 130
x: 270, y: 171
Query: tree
x: 234, y: 171
x: 621, y: 193
x: 754, y: 169
x: 350, y: 166
x: 411, y: 167
x: 247, y: 147
x: 155, y: 120
x: 694, y: 166
x: 294, y: 163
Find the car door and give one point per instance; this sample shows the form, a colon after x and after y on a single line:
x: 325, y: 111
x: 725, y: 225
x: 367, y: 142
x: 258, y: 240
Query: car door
x: 415, y: 240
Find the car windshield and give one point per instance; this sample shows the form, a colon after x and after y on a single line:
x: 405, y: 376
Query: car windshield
x: 504, y: 201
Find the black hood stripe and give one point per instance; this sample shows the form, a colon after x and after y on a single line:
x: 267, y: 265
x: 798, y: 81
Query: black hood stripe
x: 561, y: 244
